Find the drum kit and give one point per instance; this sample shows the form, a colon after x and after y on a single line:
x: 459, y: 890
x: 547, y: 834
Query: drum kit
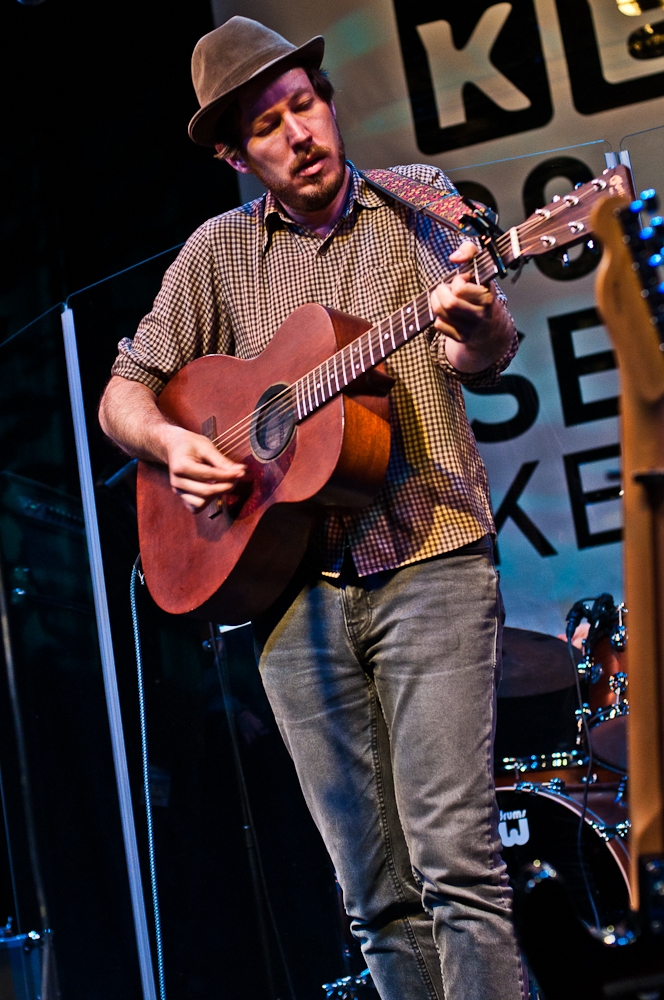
x: 561, y: 758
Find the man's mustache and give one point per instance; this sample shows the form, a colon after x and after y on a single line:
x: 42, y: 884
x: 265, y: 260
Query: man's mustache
x: 305, y: 158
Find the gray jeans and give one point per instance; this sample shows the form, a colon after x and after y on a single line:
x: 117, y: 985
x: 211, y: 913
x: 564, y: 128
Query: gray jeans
x: 384, y: 691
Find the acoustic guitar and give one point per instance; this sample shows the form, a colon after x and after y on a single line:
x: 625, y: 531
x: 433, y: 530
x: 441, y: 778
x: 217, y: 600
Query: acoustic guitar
x: 309, y: 418
x: 624, y: 961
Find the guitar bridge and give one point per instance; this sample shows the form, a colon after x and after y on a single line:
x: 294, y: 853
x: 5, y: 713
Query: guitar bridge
x: 209, y: 428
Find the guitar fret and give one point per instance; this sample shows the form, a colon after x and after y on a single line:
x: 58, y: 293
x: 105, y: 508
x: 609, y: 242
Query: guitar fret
x: 371, y: 353
x: 315, y: 378
x: 423, y: 310
x: 336, y: 376
x: 380, y: 340
x: 343, y: 366
x: 360, y: 350
x: 311, y: 405
x: 297, y: 399
x: 403, y: 324
x: 394, y: 343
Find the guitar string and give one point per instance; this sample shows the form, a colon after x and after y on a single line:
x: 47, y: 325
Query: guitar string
x: 229, y: 440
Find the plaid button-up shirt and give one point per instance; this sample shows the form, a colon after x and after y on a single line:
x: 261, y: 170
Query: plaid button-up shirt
x: 241, y: 274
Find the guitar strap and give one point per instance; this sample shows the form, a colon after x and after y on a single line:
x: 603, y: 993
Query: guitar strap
x: 439, y: 205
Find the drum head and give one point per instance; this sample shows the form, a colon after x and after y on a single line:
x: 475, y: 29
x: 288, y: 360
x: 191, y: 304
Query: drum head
x: 542, y: 825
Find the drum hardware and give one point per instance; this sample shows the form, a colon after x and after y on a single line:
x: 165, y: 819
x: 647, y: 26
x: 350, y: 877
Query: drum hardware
x: 618, y: 638
x: 581, y: 714
x: 589, y: 670
x: 622, y: 788
x: 543, y: 762
x: 602, y: 718
x: 607, y: 833
x: 538, y: 825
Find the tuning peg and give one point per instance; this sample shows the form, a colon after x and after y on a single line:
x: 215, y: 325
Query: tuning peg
x: 635, y: 207
x: 592, y: 246
x: 650, y: 199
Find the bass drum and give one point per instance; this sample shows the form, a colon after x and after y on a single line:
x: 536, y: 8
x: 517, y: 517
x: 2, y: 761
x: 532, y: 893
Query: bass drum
x: 537, y: 824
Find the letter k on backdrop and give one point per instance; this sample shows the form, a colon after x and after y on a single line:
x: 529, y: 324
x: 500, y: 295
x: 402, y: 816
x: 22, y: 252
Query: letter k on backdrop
x: 475, y: 70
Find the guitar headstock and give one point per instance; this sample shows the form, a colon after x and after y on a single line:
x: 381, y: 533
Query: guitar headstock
x: 646, y: 245
x: 565, y: 221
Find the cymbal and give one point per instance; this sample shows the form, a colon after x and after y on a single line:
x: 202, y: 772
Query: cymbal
x: 534, y: 663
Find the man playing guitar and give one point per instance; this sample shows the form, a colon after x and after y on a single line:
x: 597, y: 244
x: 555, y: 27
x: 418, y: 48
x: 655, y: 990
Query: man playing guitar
x: 380, y: 658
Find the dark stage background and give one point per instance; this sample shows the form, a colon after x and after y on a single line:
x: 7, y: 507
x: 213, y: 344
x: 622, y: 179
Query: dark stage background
x: 98, y: 173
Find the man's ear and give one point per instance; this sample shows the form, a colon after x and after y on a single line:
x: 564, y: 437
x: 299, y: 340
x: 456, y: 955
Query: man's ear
x: 236, y: 162
x: 333, y: 109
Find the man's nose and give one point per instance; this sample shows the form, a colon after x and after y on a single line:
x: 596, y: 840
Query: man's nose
x: 296, y: 130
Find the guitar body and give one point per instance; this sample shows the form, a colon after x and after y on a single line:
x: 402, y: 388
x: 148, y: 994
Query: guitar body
x: 230, y: 561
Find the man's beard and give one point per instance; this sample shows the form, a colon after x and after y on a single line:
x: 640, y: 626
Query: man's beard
x: 322, y: 190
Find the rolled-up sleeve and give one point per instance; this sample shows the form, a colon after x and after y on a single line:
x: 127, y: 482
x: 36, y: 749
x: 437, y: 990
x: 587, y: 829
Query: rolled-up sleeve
x: 188, y: 319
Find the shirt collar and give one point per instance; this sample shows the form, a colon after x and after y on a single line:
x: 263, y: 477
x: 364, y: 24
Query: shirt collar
x: 360, y: 193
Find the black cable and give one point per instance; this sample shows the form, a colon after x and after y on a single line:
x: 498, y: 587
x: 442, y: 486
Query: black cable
x: 253, y: 850
x: 136, y: 572
x: 586, y: 732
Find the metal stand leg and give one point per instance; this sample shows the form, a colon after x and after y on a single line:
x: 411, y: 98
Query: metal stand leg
x: 107, y: 658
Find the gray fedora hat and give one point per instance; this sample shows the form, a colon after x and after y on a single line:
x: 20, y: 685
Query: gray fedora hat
x: 231, y: 55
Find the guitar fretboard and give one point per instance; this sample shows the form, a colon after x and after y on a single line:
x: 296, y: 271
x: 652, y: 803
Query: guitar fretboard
x: 375, y: 345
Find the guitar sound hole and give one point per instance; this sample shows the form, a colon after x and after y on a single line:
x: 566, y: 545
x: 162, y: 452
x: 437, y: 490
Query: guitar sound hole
x: 273, y: 423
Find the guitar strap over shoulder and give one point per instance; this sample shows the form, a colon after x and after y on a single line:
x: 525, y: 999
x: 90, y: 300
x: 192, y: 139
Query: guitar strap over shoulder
x: 442, y: 206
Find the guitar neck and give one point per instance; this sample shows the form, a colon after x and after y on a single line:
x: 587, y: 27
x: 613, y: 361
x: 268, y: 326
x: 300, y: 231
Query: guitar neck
x: 330, y: 378
x: 561, y: 223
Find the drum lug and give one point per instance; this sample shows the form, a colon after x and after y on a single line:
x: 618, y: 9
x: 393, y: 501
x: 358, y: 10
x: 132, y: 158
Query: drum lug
x: 618, y: 684
x: 526, y: 786
x: 555, y: 785
x: 581, y: 714
x: 618, y: 638
x: 620, y: 794
x: 608, y: 833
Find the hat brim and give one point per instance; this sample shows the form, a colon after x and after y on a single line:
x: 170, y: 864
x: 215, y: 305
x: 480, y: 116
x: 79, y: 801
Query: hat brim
x: 202, y: 126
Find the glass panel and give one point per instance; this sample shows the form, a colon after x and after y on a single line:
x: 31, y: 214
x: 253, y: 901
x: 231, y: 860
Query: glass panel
x: 55, y: 688
x: 646, y: 151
